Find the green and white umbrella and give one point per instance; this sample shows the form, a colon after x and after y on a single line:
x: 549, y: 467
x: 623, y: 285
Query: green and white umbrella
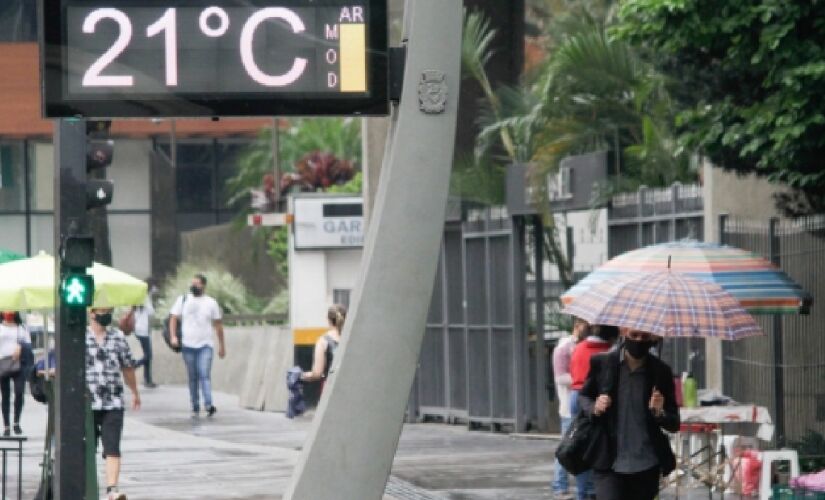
x: 28, y: 284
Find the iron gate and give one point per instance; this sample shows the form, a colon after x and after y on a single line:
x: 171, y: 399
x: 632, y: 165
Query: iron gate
x: 470, y: 364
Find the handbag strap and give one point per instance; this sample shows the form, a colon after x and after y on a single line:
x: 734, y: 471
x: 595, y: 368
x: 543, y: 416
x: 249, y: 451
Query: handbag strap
x: 610, y: 372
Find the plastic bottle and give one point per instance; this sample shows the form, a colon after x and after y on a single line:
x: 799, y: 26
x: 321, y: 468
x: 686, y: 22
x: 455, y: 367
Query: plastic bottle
x: 689, y: 392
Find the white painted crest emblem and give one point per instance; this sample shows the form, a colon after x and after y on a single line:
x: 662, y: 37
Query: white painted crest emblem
x: 432, y: 92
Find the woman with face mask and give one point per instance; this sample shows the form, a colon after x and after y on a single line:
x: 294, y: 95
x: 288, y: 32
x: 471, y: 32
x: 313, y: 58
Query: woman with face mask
x: 12, y: 335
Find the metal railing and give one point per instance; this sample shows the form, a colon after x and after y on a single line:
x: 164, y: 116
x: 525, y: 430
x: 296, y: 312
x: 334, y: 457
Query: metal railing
x: 785, y: 369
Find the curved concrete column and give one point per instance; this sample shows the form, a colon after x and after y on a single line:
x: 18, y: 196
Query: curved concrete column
x: 351, y: 446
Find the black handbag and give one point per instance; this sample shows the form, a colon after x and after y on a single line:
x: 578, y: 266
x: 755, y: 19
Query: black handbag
x: 579, y: 446
x: 577, y: 449
x: 9, y: 366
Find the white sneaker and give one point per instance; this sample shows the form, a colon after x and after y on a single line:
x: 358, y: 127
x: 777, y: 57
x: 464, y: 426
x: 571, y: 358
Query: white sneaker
x: 115, y: 495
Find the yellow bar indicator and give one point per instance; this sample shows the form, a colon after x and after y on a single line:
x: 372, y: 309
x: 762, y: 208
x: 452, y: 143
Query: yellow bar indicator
x: 353, y: 58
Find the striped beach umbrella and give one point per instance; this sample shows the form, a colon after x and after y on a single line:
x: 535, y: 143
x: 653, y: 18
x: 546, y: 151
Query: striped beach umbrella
x: 758, y: 285
x: 667, y: 304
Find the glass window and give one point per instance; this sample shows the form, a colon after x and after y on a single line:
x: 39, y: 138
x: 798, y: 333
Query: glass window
x: 13, y: 229
x: 195, y: 177
x: 228, y: 155
x: 130, y: 173
x: 42, y: 233
x: 41, y: 175
x: 18, y: 21
x: 12, y: 178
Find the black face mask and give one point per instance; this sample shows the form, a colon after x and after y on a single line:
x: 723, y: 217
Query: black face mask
x: 638, y: 348
x: 196, y: 290
x: 104, y: 320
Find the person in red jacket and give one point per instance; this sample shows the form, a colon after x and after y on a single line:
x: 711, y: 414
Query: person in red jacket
x: 601, y: 339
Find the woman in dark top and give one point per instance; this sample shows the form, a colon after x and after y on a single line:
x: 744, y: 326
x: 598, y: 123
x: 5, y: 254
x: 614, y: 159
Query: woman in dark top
x: 326, y: 345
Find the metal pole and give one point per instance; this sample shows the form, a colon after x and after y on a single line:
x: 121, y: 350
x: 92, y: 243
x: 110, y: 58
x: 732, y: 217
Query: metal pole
x: 350, y: 448
x: 276, y: 161
x: 521, y: 375
x: 70, y: 323
x: 778, y: 348
x: 541, y: 364
x: 723, y: 224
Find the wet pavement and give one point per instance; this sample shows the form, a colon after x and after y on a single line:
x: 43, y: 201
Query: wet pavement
x: 243, y: 454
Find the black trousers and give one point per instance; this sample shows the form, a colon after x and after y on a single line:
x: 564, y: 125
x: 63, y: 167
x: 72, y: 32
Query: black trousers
x: 638, y: 486
x: 19, y: 380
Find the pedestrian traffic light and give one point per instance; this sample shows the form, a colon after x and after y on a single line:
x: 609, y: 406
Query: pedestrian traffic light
x: 99, y: 155
x: 77, y: 290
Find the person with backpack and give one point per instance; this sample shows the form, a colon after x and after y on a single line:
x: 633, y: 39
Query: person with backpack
x: 326, y: 345
x: 201, y: 321
x: 15, y: 361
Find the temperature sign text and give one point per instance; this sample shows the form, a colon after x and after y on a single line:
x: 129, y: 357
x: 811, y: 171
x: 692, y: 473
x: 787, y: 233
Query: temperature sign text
x: 199, y: 52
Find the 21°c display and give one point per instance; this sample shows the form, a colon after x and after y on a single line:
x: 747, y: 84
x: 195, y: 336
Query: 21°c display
x: 228, y: 58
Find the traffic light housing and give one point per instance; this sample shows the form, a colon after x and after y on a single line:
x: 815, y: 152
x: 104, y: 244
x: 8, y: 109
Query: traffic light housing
x: 77, y: 290
x: 77, y: 252
x: 100, y: 152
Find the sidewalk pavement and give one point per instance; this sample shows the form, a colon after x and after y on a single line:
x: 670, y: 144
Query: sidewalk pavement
x: 249, y: 455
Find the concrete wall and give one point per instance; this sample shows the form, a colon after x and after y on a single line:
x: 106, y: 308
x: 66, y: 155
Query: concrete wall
x: 257, y: 358
x: 738, y: 196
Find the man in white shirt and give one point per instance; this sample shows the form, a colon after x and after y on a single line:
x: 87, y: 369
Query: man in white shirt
x: 143, y: 315
x: 201, y: 318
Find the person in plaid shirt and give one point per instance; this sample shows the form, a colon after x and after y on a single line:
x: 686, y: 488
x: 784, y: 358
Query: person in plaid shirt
x: 108, y: 363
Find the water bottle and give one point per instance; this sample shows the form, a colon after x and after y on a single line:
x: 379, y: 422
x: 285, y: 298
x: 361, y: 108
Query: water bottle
x: 690, y: 392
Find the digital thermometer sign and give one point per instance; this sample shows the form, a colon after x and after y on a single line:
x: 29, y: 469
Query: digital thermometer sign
x: 158, y: 58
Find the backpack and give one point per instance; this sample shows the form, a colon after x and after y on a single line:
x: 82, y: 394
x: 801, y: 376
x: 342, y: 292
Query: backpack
x: 166, y: 336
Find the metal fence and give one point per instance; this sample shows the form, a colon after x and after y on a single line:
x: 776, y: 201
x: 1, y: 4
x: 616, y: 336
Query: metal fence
x: 469, y: 369
x: 650, y: 216
x: 784, y: 370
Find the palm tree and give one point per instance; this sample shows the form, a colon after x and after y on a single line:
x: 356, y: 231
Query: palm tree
x: 593, y: 93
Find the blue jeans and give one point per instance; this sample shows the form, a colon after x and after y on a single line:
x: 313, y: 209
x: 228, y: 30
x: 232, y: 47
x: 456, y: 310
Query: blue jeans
x: 146, y: 360
x: 584, y: 481
x: 199, y: 368
x: 560, y: 484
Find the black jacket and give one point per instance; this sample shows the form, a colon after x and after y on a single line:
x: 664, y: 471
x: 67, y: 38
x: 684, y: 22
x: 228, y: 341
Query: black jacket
x: 603, y: 379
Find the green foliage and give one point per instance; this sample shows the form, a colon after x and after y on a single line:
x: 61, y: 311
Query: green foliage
x: 747, y: 78
x: 811, y: 449
x: 278, y: 248
x: 339, y: 136
x: 224, y: 287
x: 278, y: 305
x: 478, y: 180
x: 354, y: 186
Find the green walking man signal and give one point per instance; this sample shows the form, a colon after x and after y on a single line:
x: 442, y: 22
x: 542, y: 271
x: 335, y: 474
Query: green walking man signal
x: 78, y: 290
